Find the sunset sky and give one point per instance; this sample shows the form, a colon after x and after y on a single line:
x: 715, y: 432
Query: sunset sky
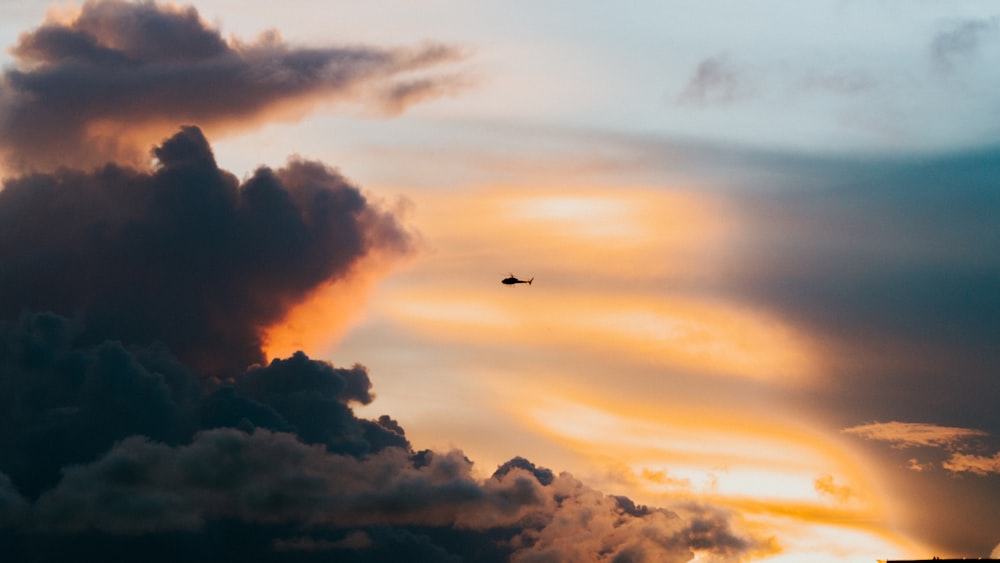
x: 763, y: 237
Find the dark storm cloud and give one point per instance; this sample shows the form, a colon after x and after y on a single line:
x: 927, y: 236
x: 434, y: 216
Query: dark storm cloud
x: 64, y: 403
x: 140, y: 486
x: 313, y: 397
x: 120, y: 75
x: 543, y: 475
x: 265, y: 478
x: 186, y: 254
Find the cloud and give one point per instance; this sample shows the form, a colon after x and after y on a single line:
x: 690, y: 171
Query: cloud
x: 914, y: 434
x: 827, y: 485
x: 13, y: 506
x: 65, y: 403
x: 961, y: 41
x: 716, y: 80
x: 885, y: 261
x: 723, y: 80
x: 143, y: 487
x: 357, y: 540
x: 836, y: 81
x: 915, y: 464
x: 185, y: 254
x: 105, y: 84
x: 956, y: 441
x: 140, y: 486
x: 976, y: 464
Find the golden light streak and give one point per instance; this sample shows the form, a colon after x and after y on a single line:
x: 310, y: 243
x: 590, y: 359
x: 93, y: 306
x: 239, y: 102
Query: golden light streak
x: 639, y: 233
x: 617, y: 271
x: 683, y: 333
x: 728, y: 455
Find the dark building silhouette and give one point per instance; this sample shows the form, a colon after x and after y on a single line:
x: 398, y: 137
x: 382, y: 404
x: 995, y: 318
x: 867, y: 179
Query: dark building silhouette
x: 936, y: 559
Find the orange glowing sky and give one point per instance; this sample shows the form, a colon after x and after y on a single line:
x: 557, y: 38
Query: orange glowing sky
x: 612, y: 364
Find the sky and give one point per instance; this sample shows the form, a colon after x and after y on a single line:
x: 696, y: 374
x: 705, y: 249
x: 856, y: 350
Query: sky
x: 250, y: 298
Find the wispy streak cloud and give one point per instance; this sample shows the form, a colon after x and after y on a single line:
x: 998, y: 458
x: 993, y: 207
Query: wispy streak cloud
x: 913, y: 434
x: 104, y: 84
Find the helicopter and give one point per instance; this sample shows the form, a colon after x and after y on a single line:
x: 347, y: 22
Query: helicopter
x: 511, y: 280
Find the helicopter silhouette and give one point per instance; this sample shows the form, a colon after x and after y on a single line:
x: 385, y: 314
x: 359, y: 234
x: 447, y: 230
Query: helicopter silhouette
x: 511, y: 280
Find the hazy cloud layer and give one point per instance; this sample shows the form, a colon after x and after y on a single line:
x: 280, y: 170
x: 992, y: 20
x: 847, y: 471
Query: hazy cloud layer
x: 890, y: 265
x: 119, y: 76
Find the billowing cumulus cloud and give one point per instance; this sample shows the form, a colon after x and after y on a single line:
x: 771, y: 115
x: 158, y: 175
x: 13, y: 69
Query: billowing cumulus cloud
x: 118, y: 76
x: 267, y: 478
x: 140, y: 486
x: 186, y: 254
x: 63, y: 402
